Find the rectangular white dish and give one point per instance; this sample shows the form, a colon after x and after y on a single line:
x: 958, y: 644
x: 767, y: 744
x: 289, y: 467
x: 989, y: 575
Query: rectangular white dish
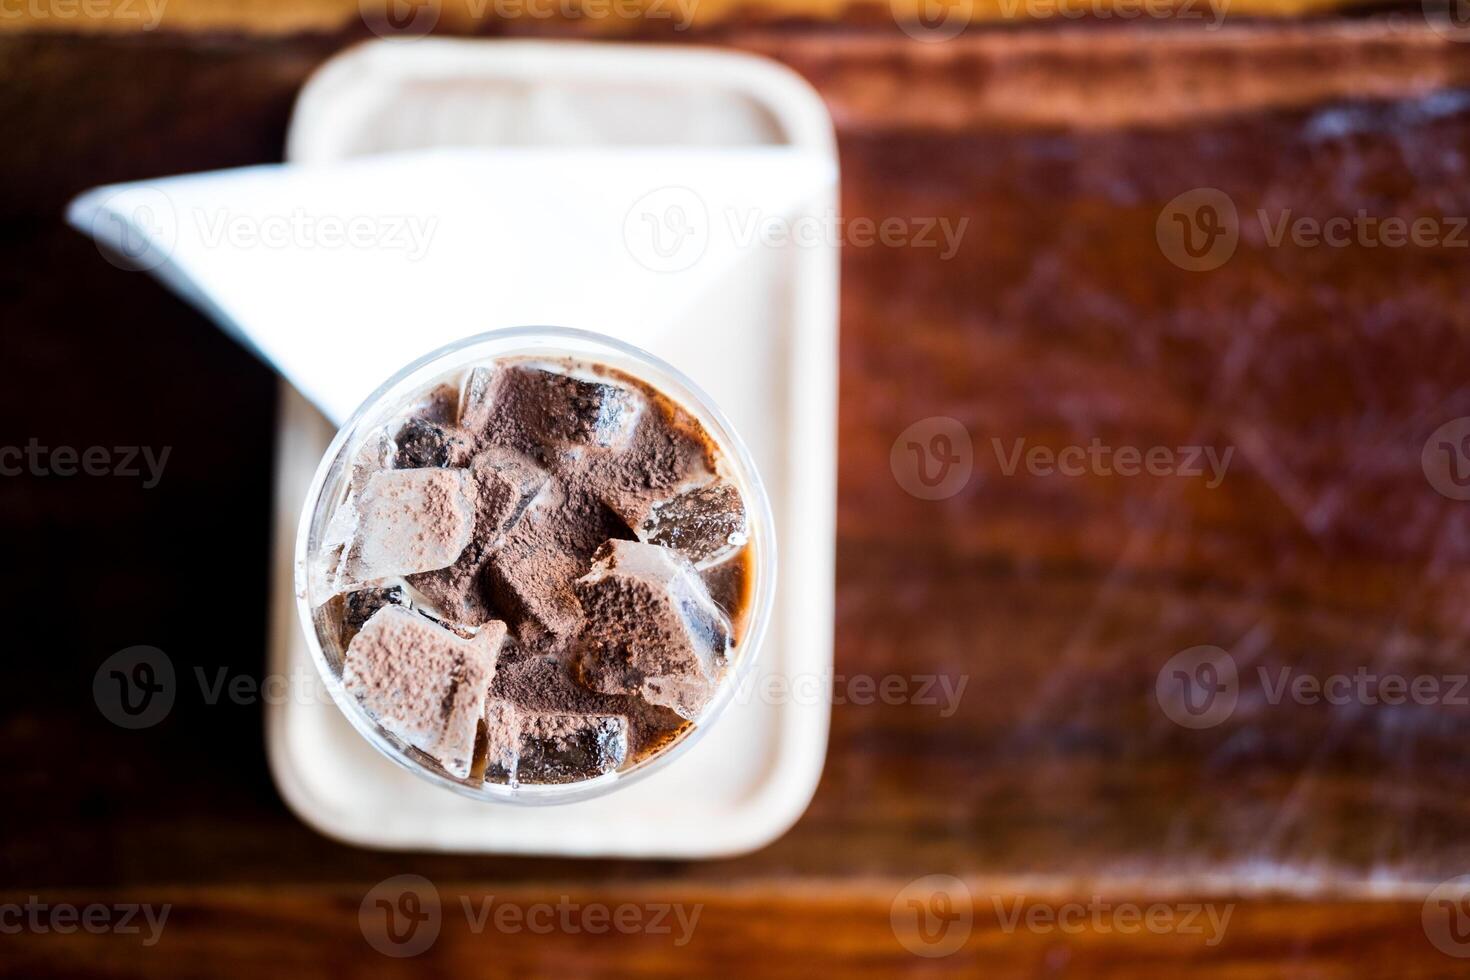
x: 761, y: 339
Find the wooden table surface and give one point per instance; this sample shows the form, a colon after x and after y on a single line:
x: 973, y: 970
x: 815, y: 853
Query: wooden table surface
x: 1058, y: 784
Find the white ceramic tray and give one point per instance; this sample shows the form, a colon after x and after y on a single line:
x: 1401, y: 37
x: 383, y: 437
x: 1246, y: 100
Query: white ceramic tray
x: 764, y: 346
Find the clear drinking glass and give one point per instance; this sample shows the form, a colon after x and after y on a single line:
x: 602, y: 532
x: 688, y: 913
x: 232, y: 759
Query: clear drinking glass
x: 328, y: 489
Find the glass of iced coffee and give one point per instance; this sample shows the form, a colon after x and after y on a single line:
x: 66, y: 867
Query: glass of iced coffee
x: 535, y: 565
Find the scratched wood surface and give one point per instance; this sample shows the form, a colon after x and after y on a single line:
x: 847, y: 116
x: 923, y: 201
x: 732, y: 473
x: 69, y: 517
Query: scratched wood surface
x: 1056, y: 779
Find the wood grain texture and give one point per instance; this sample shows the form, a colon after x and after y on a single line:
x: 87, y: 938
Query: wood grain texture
x: 614, y: 18
x: 1184, y: 77
x: 1057, y: 600
x: 759, y: 929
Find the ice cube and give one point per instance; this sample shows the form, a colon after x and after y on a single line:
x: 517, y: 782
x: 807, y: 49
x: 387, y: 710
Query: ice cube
x: 537, y: 411
x: 475, y: 399
x: 328, y: 573
x: 705, y: 524
x: 650, y: 628
x: 423, y: 443
x: 502, y: 740
x: 423, y: 683
x: 552, y: 747
x: 529, y: 578
x: 567, y: 748
x: 410, y: 521
x: 664, y: 454
x: 505, y: 483
x: 372, y: 457
x: 326, y: 569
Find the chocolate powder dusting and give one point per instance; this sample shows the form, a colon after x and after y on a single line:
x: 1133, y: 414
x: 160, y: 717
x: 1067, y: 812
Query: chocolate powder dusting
x: 536, y: 411
x: 667, y: 450
x: 543, y: 468
x: 530, y: 576
x: 650, y: 628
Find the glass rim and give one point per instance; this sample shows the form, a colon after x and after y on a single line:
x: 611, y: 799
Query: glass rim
x: 558, y: 342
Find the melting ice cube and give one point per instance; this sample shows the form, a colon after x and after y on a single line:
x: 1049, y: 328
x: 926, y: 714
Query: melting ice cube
x: 423, y: 683
x: 651, y: 628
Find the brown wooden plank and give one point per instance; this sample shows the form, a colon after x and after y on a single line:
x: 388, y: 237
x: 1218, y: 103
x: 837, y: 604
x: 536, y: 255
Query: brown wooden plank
x: 617, y: 18
x: 757, y: 929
